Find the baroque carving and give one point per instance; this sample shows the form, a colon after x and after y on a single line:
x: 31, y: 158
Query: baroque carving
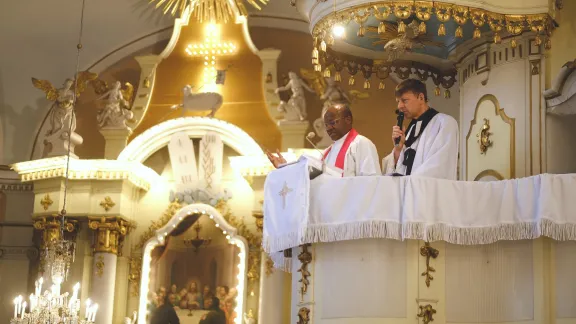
x: 426, y: 313
x: 109, y: 233
x: 428, y: 252
x: 295, y: 108
x: 134, y: 275
x: 107, y: 203
x: 305, y: 258
x: 303, y: 315
x: 117, y: 104
x: 100, y: 266
x: 484, y: 137
x: 46, y: 202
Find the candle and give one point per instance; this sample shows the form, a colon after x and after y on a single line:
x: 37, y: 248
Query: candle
x: 88, y: 302
x: 40, y: 282
x: 76, y: 288
x: 95, y: 307
x: 15, y: 307
x: 23, y: 310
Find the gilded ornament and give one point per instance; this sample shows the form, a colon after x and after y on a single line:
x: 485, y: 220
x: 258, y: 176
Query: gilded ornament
x: 100, y: 266
x: 107, y: 203
x: 484, y: 137
x: 428, y: 252
x: 305, y: 258
x: 134, y: 275
x: 303, y: 315
x: 212, y: 11
x: 109, y: 233
x: 46, y: 202
x: 426, y: 313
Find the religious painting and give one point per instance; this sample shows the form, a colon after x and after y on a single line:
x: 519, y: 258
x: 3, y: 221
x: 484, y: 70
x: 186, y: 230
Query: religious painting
x: 196, y: 271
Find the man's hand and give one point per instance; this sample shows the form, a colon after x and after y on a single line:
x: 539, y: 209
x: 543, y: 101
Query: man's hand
x: 397, y: 132
x: 275, y: 160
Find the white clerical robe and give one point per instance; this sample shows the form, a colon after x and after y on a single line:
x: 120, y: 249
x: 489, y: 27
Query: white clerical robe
x: 436, y: 151
x: 361, y: 158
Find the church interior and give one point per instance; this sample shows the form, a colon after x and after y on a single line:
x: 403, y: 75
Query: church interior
x: 130, y: 181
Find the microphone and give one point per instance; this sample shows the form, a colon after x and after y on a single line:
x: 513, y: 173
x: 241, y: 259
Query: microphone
x: 400, y: 119
x: 308, y: 138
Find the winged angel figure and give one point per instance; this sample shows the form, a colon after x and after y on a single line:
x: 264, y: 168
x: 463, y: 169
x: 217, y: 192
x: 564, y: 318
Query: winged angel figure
x: 60, y: 116
x: 117, y: 102
x: 397, y: 43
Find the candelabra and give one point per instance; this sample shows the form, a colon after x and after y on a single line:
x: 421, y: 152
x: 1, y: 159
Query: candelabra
x: 52, y: 306
x: 197, y: 242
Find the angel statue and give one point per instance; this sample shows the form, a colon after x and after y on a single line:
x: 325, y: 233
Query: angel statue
x: 117, y: 103
x: 295, y: 108
x: 60, y: 116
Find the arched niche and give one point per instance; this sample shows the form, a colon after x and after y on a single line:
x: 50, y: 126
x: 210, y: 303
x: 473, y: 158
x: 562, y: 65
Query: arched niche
x: 157, y: 137
x: 500, y: 156
x: 489, y: 175
x: 159, y: 239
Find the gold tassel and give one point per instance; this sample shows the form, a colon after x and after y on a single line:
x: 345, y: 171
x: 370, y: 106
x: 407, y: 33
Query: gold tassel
x: 366, y: 84
x: 351, y: 80
x: 318, y: 68
x: 477, y: 33
x: 447, y: 94
x: 337, y: 76
x: 330, y: 40
x: 327, y: 73
x: 497, y: 38
x: 361, y: 31
x: 538, y: 40
x: 422, y: 28
x: 314, y: 61
x: 548, y: 44
x: 441, y: 30
x: 513, y: 43
x: 315, y: 53
x: 323, y: 46
x: 437, y: 91
x: 401, y: 27
x: 382, y: 85
x: 381, y: 28
x: 459, y: 32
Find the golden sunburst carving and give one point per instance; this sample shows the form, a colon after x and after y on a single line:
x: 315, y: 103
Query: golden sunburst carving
x: 213, y: 11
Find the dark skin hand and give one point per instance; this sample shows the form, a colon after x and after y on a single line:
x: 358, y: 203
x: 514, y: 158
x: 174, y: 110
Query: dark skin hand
x: 338, y: 122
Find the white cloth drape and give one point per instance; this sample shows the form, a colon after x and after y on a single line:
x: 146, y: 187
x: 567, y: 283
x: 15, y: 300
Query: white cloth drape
x: 458, y: 212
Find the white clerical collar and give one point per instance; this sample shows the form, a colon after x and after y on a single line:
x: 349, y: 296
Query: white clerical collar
x: 341, y: 139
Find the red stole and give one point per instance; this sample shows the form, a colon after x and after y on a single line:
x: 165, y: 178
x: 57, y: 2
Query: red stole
x: 343, y: 150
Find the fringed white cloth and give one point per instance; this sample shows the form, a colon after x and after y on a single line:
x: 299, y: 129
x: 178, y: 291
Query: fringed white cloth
x: 458, y: 212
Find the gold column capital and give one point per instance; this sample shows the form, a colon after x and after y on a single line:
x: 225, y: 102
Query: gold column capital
x: 50, y: 225
x: 109, y: 233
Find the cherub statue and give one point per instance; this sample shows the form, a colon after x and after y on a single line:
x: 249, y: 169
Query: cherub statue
x: 249, y: 318
x: 117, y: 101
x: 329, y: 90
x: 295, y: 108
x: 199, y: 101
x: 60, y: 115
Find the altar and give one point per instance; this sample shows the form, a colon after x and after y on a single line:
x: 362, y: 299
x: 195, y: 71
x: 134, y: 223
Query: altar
x: 189, y: 317
x: 396, y: 249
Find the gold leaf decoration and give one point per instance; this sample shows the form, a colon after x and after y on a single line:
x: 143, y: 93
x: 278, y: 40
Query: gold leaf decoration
x: 214, y: 11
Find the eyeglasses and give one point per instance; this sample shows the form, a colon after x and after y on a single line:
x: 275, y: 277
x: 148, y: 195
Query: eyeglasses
x: 332, y: 123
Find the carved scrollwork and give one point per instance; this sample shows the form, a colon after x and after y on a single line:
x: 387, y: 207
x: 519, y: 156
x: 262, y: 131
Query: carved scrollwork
x: 484, y: 137
x: 305, y: 258
x: 428, y: 252
x: 426, y: 313
x: 303, y: 315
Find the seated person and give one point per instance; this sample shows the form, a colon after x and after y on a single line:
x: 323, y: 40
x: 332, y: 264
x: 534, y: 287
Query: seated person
x: 215, y: 314
x: 165, y: 313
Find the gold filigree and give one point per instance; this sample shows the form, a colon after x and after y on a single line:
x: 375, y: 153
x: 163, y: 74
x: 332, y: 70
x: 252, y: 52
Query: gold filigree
x: 426, y: 313
x: 100, y: 266
x: 303, y: 315
x: 134, y: 275
x: 428, y: 252
x: 107, y: 203
x: 305, y: 258
x: 46, y: 202
x: 484, y: 137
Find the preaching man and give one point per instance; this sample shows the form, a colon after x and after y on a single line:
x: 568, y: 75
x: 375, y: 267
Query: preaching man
x: 355, y: 154
x: 430, y: 146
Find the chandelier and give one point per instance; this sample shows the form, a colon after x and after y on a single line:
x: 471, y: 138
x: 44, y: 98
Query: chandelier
x: 53, y: 306
x: 197, y: 242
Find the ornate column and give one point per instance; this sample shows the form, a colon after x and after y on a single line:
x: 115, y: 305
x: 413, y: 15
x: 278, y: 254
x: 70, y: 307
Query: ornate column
x: 109, y: 234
